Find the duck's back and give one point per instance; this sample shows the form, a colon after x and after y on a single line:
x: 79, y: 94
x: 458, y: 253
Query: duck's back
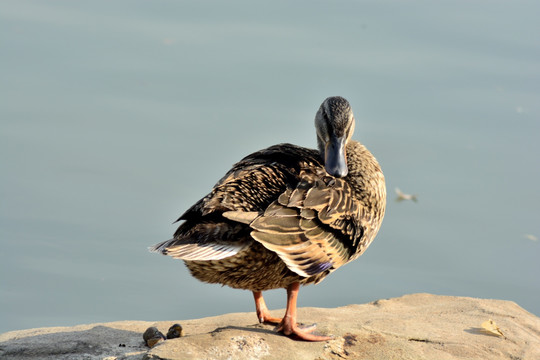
x: 256, y: 180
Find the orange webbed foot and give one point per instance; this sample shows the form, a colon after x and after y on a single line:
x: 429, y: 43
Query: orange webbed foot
x: 300, y: 332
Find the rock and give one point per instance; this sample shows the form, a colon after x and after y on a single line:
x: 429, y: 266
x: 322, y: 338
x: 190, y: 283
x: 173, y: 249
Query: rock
x: 419, y: 326
x: 152, y: 336
x: 118, y: 340
x: 175, y: 331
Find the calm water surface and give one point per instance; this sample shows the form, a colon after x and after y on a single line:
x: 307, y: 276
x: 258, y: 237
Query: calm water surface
x: 116, y: 116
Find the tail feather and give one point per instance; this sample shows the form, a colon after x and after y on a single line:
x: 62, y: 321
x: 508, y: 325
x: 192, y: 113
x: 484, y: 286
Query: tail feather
x: 161, y: 247
x: 198, y: 251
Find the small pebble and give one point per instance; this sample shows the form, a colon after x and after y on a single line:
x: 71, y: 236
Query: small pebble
x: 152, y: 336
x: 175, y: 331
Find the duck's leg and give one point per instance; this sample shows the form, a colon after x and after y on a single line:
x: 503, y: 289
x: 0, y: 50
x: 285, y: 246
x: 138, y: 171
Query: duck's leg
x: 288, y: 325
x: 262, y: 311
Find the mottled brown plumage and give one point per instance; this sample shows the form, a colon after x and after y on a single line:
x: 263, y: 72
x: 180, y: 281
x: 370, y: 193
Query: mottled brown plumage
x: 286, y: 216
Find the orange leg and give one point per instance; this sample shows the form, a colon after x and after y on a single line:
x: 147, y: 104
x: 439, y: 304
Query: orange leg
x: 262, y: 311
x: 287, y: 325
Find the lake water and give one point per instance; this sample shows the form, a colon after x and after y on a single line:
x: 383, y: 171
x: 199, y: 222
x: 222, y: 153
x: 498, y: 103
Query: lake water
x: 117, y: 116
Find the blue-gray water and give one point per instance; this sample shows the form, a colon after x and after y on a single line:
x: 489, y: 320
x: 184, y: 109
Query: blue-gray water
x: 117, y: 115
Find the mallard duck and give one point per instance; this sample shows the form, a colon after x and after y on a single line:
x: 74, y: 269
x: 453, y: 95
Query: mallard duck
x: 286, y: 216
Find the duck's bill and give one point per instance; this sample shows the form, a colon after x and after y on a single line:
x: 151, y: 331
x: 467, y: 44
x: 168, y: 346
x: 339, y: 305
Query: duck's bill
x: 335, y: 162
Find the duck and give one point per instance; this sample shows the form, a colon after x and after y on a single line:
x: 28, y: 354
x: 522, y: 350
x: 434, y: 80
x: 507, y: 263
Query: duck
x: 286, y: 216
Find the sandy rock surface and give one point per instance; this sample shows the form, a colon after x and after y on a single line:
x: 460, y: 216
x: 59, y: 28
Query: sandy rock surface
x: 418, y: 326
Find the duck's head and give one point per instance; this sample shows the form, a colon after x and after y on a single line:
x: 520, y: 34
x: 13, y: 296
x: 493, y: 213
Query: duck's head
x: 334, y: 123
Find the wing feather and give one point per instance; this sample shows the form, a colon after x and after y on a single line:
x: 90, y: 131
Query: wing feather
x: 309, y: 226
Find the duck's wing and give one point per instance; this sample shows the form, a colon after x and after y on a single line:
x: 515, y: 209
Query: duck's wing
x: 315, y: 227
x: 248, y: 188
